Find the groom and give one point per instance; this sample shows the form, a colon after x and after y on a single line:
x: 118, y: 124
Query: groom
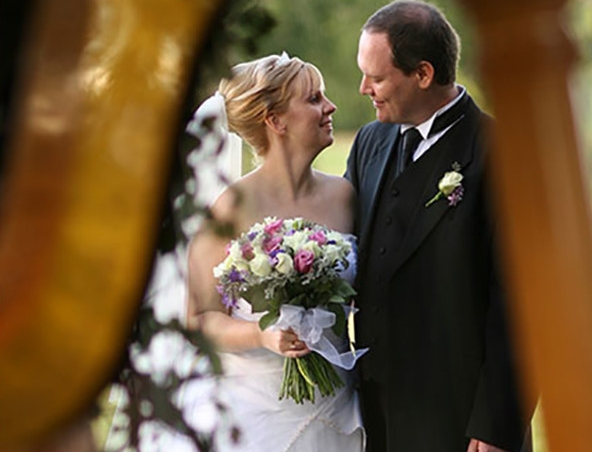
x: 440, y: 374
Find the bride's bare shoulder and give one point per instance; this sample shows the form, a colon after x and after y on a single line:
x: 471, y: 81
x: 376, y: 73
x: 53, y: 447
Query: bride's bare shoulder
x: 236, y: 203
x: 339, y: 200
x: 336, y: 186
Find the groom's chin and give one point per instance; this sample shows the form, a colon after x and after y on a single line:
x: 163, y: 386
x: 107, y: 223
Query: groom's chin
x: 383, y: 116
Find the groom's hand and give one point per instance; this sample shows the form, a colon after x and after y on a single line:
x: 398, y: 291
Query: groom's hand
x: 479, y: 446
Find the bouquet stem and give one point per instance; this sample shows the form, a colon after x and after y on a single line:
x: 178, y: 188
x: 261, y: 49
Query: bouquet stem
x: 303, y: 375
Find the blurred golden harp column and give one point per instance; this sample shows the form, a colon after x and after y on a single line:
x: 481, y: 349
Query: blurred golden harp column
x: 543, y: 207
x: 99, y: 108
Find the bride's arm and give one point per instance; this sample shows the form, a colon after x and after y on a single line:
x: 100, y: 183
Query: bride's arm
x: 206, y: 312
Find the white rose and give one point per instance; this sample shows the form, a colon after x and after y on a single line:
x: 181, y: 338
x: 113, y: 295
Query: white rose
x: 260, y: 265
x: 332, y: 253
x: 449, y: 182
x: 297, y: 240
x: 336, y: 237
x: 219, y: 270
x: 285, y: 264
x: 234, y: 259
x: 312, y: 246
x: 234, y: 252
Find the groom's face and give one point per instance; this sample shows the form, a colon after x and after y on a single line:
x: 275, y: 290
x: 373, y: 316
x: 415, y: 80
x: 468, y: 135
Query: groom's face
x: 393, y: 94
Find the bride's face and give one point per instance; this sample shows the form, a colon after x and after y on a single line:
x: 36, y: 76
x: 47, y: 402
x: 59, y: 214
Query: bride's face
x: 308, y: 118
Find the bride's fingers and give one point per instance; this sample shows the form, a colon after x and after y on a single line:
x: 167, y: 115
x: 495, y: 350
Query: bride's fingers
x: 293, y: 345
x: 297, y: 353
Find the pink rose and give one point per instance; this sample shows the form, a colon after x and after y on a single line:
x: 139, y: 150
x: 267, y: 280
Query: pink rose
x: 271, y: 244
x: 247, y: 251
x: 273, y: 227
x: 319, y: 237
x: 303, y: 261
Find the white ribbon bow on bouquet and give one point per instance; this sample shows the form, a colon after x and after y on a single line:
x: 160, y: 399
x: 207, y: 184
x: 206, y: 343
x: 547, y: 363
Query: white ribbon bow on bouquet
x: 309, y: 325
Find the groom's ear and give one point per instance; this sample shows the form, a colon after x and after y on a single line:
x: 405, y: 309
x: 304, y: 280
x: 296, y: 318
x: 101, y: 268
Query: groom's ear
x: 425, y: 74
x: 275, y: 123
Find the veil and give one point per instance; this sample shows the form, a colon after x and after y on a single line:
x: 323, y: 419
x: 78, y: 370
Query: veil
x: 217, y: 161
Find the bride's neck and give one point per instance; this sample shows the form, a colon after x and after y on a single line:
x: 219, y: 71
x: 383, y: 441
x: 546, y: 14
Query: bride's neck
x: 288, y: 178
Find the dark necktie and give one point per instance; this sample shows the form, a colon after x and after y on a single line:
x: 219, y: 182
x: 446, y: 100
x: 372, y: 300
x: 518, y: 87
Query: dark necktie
x: 409, y: 141
x: 407, y: 145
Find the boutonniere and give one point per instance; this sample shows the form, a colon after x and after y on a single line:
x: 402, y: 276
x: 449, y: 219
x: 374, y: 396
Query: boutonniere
x: 450, y: 186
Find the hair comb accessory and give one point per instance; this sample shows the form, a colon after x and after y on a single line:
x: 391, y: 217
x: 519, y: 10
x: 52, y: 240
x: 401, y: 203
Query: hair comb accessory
x: 283, y: 59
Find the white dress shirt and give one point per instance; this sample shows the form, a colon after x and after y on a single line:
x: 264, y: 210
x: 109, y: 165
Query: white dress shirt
x: 424, y: 127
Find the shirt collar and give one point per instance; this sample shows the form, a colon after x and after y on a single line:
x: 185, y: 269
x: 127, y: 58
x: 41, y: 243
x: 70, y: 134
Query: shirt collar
x: 424, y: 127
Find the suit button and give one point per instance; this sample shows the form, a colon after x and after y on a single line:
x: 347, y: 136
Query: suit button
x: 388, y: 220
x: 395, y: 192
x: 382, y: 250
x: 377, y: 279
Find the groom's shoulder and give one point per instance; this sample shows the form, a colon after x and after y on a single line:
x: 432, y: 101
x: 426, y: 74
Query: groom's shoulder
x: 377, y: 128
x: 374, y: 132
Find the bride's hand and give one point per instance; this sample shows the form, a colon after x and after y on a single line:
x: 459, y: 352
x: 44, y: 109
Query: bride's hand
x: 284, y: 342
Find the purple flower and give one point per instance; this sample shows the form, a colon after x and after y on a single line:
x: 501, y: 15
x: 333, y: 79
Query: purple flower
x: 303, y: 261
x: 456, y: 196
x: 275, y: 252
x: 227, y: 299
x: 235, y: 276
x: 252, y: 235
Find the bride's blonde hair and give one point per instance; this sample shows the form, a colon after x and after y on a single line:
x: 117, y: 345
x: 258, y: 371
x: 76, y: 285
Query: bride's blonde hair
x: 263, y: 86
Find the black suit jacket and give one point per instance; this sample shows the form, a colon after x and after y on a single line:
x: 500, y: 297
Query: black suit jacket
x: 431, y: 304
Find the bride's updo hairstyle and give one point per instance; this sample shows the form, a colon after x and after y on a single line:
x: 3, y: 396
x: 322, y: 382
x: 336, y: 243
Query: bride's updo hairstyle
x: 263, y: 86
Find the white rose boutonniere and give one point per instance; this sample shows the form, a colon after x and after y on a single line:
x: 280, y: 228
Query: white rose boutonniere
x: 450, y: 186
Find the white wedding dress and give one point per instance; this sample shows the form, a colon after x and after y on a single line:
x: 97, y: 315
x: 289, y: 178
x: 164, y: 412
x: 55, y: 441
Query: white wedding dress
x: 250, y: 386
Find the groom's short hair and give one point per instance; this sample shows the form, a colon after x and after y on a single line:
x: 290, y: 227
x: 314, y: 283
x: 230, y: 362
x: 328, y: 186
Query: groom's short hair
x: 418, y: 31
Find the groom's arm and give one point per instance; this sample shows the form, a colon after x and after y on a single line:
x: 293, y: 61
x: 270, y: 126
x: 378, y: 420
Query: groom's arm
x: 497, y: 417
x: 352, y: 169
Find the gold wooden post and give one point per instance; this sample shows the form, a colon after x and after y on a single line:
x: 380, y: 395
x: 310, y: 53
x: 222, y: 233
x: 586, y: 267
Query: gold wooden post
x: 543, y: 210
x: 101, y: 96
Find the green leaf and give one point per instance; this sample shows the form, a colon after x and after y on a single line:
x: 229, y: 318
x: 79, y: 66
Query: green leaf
x: 336, y: 299
x: 343, y: 288
x: 269, y: 319
x: 340, y: 319
x: 299, y: 300
x: 255, y: 295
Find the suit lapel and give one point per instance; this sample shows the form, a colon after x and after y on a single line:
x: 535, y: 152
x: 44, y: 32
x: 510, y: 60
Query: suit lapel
x: 375, y: 176
x: 455, y: 146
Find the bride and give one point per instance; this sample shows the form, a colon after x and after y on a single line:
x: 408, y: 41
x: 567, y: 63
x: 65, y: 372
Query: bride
x: 278, y: 106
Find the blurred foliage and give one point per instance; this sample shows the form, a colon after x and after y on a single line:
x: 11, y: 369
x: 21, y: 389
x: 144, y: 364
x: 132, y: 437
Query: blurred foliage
x: 234, y: 37
x: 151, y: 391
x: 326, y: 34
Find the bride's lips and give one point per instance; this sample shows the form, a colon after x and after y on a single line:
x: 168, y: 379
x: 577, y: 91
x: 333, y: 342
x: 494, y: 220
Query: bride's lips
x: 327, y: 124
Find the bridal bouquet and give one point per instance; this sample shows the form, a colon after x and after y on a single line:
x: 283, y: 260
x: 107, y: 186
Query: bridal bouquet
x: 290, y: 271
